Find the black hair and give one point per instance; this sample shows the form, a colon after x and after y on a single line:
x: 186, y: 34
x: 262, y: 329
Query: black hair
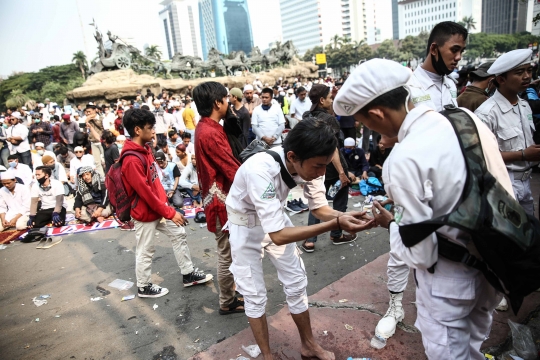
x: 137, y: 118
x: 161, y: 143
x: 394, y: 99
x: 63, y: 150
x: 13, y: 157
x: 171, y: 133
x: 186, y: 135
x: 473, y: 77
x: 267, y: 91
x: 378, y: 139
x: 443, y: 31
x: 56, y: 117
x: 206, y: 95
x: 45, y: 170
x: 108, y: 137
x: 300, y: 89
x: 310, y: 138
x: 144, y: 107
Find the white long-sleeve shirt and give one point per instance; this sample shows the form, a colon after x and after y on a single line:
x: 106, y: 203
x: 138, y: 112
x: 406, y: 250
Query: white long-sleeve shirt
x: 75, y: 164
x: 15, y: 203
x: 269, y: 122
x: 189, y: 177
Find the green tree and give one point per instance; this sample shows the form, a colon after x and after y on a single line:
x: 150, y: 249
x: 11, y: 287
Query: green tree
x: 153, y: 52
x: 387, y: 50
x: 16, y: 99
x: 79, y: 59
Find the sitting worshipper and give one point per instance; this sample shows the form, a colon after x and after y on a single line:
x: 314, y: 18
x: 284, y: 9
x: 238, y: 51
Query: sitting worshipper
x: 47, y: 200
x: 173, y: 140
x: 356, y: 161
x: 182, y: 158
x: 189, y: 182
x: 14, y: 203
x: 91, y: 201
x: 169, y: 177
x: 163, y: 147
x: 186, y: 139
x: 22, y: 172
x: 378, y: 157
x: 40, y: 152
x: 58, y: 172
x: 81, y: 159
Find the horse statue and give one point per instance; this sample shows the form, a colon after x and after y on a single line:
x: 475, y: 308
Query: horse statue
x: 238, y: 62
x: 256, y: 58
x: 215, y: 62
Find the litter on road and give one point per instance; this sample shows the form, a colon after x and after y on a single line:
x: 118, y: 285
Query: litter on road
x: 348, y: 327
x: 39, y: 302
x: 121, y: 284
x: 155, y: 306
x: 96, y: 298
x: 343, y: 300
x: 129, y: 297
x: 252, y: 350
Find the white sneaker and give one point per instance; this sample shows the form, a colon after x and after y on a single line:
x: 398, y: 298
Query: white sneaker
x: 387, y: 325
x: 503, y: 305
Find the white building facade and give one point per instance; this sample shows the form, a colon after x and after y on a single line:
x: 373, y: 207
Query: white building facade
x: 180, y: 21
x: 416, y: 16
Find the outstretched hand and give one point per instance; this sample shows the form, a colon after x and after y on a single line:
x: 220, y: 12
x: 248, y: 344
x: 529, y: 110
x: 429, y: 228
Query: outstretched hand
x: 383, y: 217
x: 353, y: 224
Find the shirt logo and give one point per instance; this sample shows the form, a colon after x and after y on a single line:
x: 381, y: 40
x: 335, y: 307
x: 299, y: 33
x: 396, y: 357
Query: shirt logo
x: 453, y: 93
x: 529, y: 116
x: 418, y: 99
x: 347, y: 107
x: 269, y: 193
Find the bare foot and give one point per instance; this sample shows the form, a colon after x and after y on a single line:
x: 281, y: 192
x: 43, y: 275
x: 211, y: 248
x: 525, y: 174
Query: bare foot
x: 317, y: 352
x: 100, y: 219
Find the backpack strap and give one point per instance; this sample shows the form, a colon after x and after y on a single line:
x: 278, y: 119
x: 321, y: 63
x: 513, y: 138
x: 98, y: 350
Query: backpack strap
x: 284, y: 173
x: 137, y: 154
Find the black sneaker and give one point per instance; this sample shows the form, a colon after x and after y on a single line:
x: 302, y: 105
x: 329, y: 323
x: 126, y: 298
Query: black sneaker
x: 152, y: 291
x: 301, y: 204
x: 293, y: 207
x: 196, y: 278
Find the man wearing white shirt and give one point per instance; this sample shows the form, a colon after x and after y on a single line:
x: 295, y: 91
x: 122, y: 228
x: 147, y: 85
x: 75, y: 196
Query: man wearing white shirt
x: 80, y: 159
x: 40, y: 152
x: 267, y: 120
x: 189, y: 182
x: 178, y: 122
x: 186, y: 139
x: 299, y: 106
x: 21, y: 171
x: 47, y: 201
x: 14, y: 203
x: 17, y: 138
x: 108, y: 119
x: 162, y: 122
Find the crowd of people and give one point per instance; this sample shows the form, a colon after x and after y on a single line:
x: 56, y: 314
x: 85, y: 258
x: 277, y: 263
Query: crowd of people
x: 325, y: 135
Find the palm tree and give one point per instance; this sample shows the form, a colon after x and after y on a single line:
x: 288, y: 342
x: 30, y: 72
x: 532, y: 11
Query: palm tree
x: 79, y: 58
x: 153, y: 51
x: 336, y: 40
x: 16, y: 99
x: 469, y: 23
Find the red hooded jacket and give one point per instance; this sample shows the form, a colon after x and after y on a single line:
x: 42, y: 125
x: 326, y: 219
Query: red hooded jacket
x: 151, y: 202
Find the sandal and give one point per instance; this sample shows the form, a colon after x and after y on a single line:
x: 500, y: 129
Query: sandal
x: 307, y: 249
x: 233, y: 308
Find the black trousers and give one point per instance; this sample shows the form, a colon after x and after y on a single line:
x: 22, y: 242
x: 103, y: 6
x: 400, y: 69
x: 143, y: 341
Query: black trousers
x: 339, y: 204
x: 44, y: 217
x: 349, y: 132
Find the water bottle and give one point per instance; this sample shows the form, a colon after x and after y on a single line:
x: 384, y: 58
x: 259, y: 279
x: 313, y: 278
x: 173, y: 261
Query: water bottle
x: 334, y: 189
x: 378, y: 342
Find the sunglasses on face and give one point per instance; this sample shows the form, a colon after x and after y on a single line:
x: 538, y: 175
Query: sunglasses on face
x: 76, y: 152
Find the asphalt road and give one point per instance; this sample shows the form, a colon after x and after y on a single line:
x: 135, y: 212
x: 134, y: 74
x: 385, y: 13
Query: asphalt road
x: 71, y: 326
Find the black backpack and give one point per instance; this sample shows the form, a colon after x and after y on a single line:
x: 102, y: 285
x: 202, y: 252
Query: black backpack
x: 506, y: 238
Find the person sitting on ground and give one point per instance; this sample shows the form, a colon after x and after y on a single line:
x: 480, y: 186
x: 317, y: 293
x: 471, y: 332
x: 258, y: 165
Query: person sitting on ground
x: 91, y: 201
x: 189, y: 182
x: 112, y: 154
x: 182, y: 158
x: 169, y: 176
x: 58, y: 171
x: 356, y: 161
x: 81, y: 159
x: 378, y: 157
x: 163, y: 147
x: 64, y: 156
x: 173, y: 140
x: 47, y: 200
x: 186, y: 139
x: 40, y: 152
x: 14, y: 203
x: 21, y: 171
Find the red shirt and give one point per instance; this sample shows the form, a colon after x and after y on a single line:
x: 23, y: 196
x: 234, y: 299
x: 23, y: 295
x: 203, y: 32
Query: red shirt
x: 119, y: 126
x: 216, y: 167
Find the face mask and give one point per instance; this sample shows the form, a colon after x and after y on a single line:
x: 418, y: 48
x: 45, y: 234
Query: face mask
x: 439, y: 65
x: 265, y: 107
x: 40, y: 152
x: 5, y: 126
x: 348, y: 151
x: 120, y: 146
x: 37, y: 121
x: 51, y: 167
x: 13, y: 164
x: 42, y: 180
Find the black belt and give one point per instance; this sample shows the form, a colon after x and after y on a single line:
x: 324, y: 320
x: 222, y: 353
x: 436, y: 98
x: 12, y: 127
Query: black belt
x: 457, y: 253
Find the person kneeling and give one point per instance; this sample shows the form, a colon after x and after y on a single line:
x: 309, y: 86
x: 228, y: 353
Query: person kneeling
x: 14, y: 203
x: 47, y: 203
x: 189, y: 182
x: 91, y: 201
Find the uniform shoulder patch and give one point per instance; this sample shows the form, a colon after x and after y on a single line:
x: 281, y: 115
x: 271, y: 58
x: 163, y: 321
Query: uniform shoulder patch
x: 269, y: 193
x: 419, y: 99
x: 347, y: 107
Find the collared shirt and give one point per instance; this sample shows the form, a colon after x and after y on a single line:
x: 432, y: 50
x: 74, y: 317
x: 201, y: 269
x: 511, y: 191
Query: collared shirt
x: 258, y: 188
x: 425, y: 91
x: 512, y: 125
x: 15, y: 203
x: 21, y: 131
x: 43, y: 136
x: 299, y: 107
x: 178, y: 120
x: 162, y: 124
x: 189, y: 177
x: 269, y: 122
x: 426, y: 174
x: 472, y: 98
x: 48, y: 197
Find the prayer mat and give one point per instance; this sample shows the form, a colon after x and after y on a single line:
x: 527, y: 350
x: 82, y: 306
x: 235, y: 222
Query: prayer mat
x: 8, y: 236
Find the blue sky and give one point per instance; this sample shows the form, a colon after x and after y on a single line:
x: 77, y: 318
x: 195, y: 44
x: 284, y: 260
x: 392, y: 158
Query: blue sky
x: 40, y: 33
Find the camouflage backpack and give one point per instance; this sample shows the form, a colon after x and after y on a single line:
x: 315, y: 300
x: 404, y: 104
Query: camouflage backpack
x: 506, y: 240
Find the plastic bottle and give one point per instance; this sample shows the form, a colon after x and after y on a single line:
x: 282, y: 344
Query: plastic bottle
x: 378, y: 342
x: 334, y: 189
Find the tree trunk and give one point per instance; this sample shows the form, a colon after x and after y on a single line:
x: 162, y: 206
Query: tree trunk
x: 82, y: 71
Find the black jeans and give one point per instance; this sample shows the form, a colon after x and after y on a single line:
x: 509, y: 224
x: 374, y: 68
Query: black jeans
x: 340, y: 204
x: 44, y: 217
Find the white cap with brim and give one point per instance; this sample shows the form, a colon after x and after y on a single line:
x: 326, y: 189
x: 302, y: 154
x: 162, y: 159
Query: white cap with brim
x: 349, y: 142
x: 511, y: 60
x: 367, y: 82
x: 7, y: 175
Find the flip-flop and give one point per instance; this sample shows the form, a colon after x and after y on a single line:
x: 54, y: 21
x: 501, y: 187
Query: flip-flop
x: 41, y: 243
x: 51, y: 242
x: 233, y: 308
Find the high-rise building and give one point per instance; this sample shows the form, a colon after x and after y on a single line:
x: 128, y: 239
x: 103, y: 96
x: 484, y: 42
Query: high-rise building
x: 506, y: 16
x: 180, y: 20
x: 536, y: 10
x: 225, y: 25
x: 415, y: 16
x: 395, y: 20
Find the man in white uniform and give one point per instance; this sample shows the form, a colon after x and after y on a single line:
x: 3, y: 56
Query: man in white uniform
x: 425, y: 174
x: 429, y: 86
x: 510, y: 119
x: 258, y: 225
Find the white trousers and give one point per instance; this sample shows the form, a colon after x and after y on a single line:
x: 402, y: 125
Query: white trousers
x: 248, y: 246
x: 21, y: 223
x: 398, y: 273
x: 455, y: 306
x: 523, y: 193
x: 145, y: 232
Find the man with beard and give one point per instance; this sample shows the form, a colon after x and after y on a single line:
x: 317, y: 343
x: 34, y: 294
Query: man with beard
x: 250, y: 103
x: 242, y: 113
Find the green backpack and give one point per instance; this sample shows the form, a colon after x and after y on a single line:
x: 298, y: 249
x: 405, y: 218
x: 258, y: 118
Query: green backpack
x: 506, y: 238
